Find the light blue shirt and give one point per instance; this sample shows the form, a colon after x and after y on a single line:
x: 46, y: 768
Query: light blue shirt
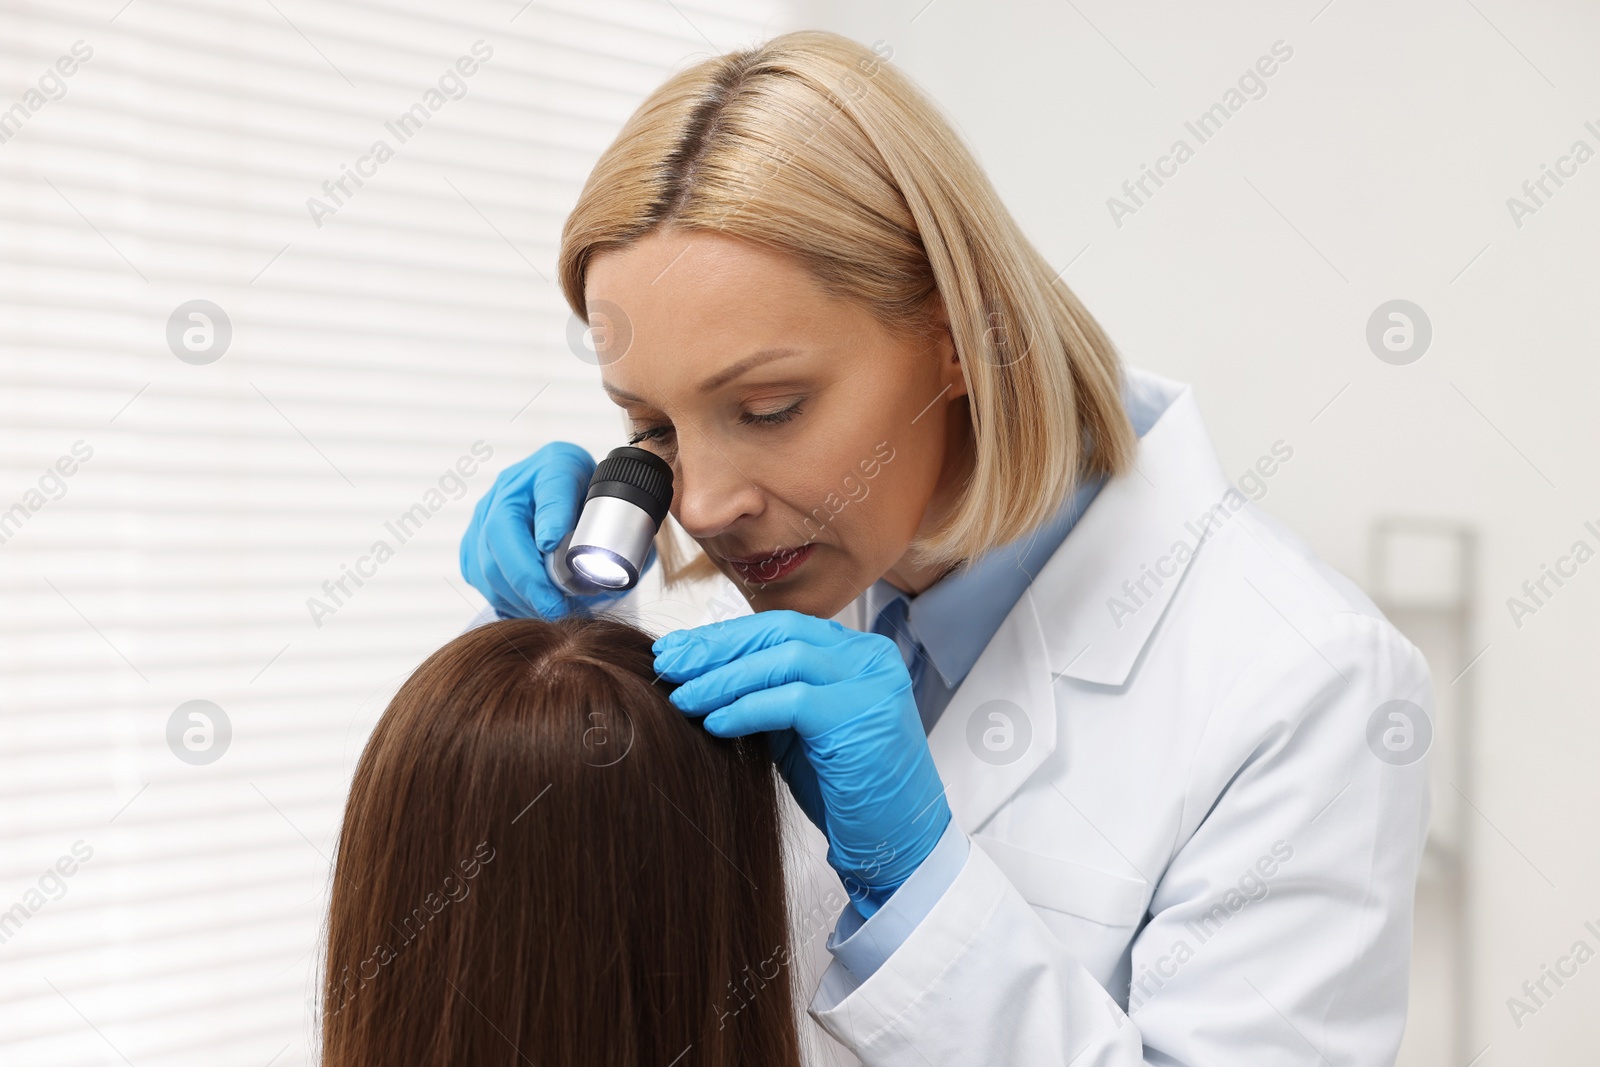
x: 941, y: 632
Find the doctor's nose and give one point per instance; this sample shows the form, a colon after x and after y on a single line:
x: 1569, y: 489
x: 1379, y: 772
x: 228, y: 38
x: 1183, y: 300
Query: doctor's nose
x: 711, y: 494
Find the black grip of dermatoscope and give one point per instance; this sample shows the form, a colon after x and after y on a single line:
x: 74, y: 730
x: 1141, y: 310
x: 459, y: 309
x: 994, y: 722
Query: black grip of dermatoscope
x: 642, y: 478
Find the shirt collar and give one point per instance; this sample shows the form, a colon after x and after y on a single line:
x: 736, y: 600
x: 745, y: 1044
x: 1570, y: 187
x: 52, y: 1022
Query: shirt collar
x: 955, y: 617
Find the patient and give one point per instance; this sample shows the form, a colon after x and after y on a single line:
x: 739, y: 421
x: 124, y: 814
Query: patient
x: 544, y: 862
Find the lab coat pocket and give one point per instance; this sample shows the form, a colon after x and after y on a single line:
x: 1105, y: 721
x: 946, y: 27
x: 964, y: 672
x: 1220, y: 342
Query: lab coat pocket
x: 1061, y: 885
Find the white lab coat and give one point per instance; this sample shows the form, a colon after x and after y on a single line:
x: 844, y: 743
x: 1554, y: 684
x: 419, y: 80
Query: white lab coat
x: 1198, y: 858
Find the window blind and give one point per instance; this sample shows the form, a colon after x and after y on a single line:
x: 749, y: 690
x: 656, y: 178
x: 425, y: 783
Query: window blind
x: 255, y: 370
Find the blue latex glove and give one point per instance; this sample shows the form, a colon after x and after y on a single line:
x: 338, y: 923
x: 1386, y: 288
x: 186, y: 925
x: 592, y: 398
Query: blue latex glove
x: 846, y: 733
x: 532, y: 505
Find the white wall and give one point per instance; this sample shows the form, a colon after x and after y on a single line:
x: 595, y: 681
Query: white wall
x: 1376, y: 166
x: 372, y: 348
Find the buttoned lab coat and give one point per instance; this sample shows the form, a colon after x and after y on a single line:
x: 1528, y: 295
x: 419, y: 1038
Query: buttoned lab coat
x: 1190, y: 853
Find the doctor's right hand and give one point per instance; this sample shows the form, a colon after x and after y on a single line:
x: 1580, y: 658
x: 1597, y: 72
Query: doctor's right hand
x: 532, y: 505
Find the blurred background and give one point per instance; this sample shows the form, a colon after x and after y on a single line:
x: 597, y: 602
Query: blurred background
x: 241, y: 347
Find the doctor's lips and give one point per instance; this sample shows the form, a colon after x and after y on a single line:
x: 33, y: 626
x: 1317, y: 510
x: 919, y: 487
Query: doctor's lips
x: 773, y: 565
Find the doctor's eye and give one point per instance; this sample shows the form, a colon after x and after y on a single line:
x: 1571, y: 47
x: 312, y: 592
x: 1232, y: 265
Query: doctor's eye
x: 748, y: 418
x: 774, y: 417
x: 649, y: 435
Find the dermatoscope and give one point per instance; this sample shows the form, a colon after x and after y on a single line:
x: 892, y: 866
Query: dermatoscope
x: 627, y: 501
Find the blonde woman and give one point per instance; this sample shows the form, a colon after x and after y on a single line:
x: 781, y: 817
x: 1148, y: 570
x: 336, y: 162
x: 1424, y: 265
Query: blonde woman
x: 1109, y: 767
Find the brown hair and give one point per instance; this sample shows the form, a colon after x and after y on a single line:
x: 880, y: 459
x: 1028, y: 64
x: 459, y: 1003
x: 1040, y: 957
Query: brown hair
x: 544, y: 861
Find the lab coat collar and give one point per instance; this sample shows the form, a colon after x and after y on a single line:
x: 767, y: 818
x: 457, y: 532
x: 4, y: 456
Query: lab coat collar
x: 1078, y: 619
x: 1100, y: 596
x: 954, y: 618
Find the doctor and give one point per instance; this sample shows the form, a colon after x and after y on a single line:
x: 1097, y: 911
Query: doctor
x: 1111, y: 768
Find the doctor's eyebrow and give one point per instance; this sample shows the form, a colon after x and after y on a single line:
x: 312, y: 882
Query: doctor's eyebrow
x: 719, y: 379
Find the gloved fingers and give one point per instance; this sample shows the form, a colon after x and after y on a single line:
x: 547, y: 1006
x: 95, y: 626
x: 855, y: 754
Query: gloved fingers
x: 696, y: 649
x: 768, y: 709
x: 516, y: 571
x: 677, y: 653
x: 498, y: 518
x: 765, y: 668
x: 474, y: 554
x: 513, y: 566
x: 480, y: 581
x: 475, y: 527
x: 470, y: 559
x: 560, y: 479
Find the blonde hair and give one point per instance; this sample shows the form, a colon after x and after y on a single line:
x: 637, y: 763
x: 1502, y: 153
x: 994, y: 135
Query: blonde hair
x: 812, y: 145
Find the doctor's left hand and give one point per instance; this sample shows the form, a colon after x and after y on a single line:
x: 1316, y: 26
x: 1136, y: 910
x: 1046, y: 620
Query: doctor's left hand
x: 848, y: 738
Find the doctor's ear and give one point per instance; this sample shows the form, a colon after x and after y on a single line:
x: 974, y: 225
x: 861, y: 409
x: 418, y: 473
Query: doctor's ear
x: 939, y: 337
x: 938, y: 325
